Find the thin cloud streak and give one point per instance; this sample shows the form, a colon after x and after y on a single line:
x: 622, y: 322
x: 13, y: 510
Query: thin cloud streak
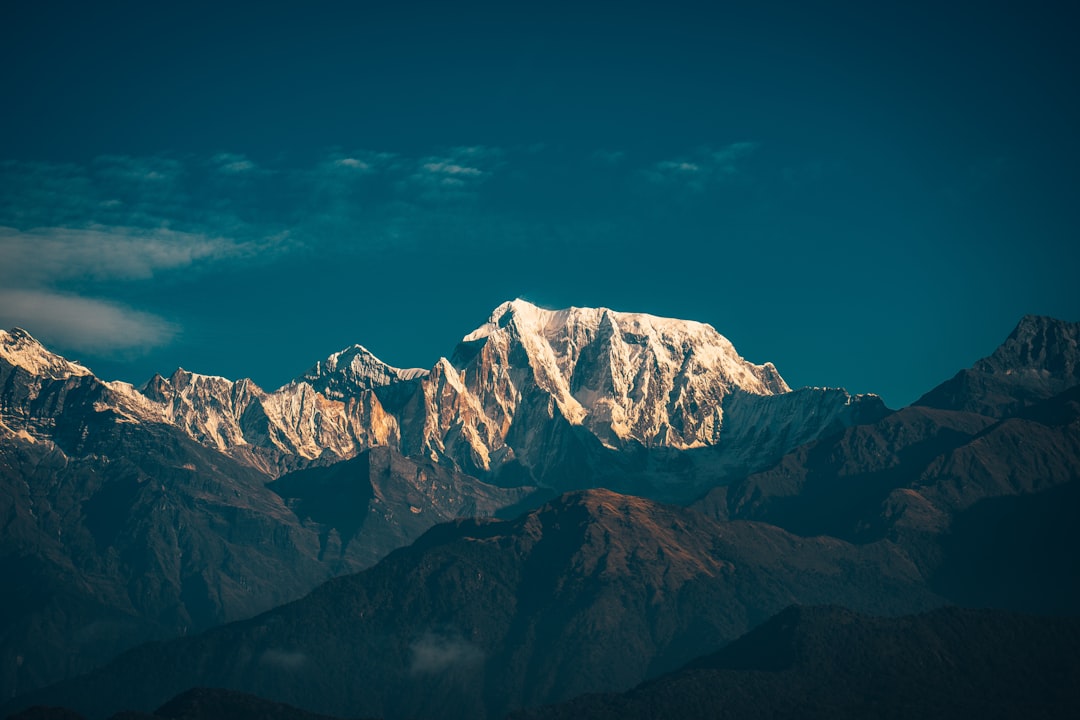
x: 72, y: 234
x: 84, y: 324
x: 45, y: 255
x: 703, y: 168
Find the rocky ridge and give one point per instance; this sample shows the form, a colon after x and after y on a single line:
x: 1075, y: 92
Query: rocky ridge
x: 516, y: 389
x: 593, y: 591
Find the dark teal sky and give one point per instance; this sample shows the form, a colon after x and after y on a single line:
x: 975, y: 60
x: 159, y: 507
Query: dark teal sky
x: 867, y: 194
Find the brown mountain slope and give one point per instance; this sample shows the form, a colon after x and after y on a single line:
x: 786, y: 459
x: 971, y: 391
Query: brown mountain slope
x: 1038, y: 360
x: 811, y: 663
x: 594, y: 591
x: 114, y: 533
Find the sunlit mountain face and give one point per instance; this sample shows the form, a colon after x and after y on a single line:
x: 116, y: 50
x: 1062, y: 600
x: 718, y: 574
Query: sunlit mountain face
x: 174, y: 509
x: 481, y: 360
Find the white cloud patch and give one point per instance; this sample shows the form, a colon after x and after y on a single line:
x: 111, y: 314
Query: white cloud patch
x: 448, y: 173
x: 233, y: 164
x: 44, y: 255
x: 353, y: 163
x: 456, y: 174
x: 82, y: 323
x: 706, y: 166
x: 436, y: 653
x: 133, y: 169
x: 37, y: 265
x: 678, y: 167
x: 75, y: 237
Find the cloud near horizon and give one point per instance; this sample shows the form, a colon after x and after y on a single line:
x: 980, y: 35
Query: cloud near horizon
x: 74, y: 238
x: 37, y: 264
x: 48, y: 254
x: 84, y: 324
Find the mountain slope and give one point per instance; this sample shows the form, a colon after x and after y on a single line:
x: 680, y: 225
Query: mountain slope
x: 593, y: 591
x: 831, y: 663
x: 194, y: 704
x: 915, y: 470
x: 517, y: 386
x: 528, y: 386
x: 948, y: 485
x: 349, y: 372
x: 117, y: 527
x: 1039, y: 359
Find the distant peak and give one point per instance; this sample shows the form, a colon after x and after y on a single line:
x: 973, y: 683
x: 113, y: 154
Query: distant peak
x: 501, y: 316
x: 568, y: 330
x: 182, y: 376
x: 1039, y: 343
x: 19, y: 348
x: 17, y: 333
x: 352, y: 370
x: 600, y: 500
x: 529, y: 315
x: 1031, y: 322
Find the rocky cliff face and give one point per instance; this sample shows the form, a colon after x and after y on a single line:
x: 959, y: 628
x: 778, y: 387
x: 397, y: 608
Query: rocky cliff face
x: 1038, y: 360
x: 594, y: 591
x: 295, y: 422
x: 515, y: 393
x: 128, y: 501
x: 630, y: 380
x: 127, y: 516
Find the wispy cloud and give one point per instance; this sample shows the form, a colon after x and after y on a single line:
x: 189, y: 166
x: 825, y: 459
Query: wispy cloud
x: 702, y: 168
x: 83, y: 323
x: 436, y: 653
x: 353, y: 163
x: 233, y: 164
x: 50, y: 254
x: 77, y: 238
x: 453, y: 175
x: 69, y: 234
x: 35, y: 266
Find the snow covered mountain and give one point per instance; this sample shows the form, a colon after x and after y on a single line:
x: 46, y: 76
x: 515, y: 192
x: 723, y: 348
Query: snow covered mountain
x: 629, y: 380
x: 521, y: 396
x: 1039, y: 359
x: 276, y: 430
x: 353, y: 370
x: 122, y: 519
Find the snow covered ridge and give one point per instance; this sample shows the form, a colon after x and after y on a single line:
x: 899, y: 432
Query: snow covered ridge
x: 511, y: 385
x: 625, y: 376
x: 353, y: 370
x: 18, y: 348
x: 630, y: 379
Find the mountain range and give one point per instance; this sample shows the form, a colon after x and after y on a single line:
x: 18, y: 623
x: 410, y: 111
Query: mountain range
x: 132, y: 514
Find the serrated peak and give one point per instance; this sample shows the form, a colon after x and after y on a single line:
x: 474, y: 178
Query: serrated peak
x: 634, y: 335
x: 1038, y: 343
x: 353, y: 370
x: 19, y: 348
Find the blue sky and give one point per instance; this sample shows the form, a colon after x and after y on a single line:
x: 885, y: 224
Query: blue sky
x: 869, y: 195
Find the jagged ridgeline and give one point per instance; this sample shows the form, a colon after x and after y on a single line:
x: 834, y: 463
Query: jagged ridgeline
x: 521, y: 401
x: 132, y: 514
x: 145, y: 512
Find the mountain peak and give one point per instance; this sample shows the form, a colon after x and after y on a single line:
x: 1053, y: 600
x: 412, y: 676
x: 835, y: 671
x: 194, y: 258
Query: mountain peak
x: 352, y: 370
x: 569, y: 330
x: 1038, y: 343
x: 20, y: 349
x: 1039, y: 359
